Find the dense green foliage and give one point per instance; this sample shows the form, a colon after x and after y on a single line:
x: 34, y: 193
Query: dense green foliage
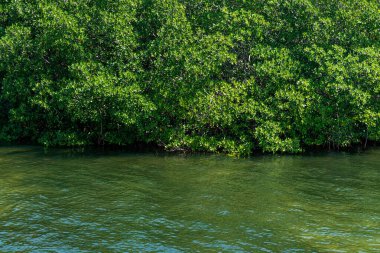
x: 206, y: 75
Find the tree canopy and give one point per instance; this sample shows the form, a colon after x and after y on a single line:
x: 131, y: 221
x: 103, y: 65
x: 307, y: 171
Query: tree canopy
x: 205, y: 75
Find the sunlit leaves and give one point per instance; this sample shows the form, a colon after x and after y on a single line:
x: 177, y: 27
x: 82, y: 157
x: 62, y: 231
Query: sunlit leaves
x: 221, y: 76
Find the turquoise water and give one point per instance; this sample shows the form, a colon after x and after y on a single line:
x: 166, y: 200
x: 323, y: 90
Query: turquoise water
x: 98, y: 201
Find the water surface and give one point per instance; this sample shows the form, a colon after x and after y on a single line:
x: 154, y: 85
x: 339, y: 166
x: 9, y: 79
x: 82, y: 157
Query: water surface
x: 65, y: 201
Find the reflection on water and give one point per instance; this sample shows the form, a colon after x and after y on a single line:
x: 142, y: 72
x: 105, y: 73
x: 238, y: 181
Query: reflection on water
x: 62, y: 201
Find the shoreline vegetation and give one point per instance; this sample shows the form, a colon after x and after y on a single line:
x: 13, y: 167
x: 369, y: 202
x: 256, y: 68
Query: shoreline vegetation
x: 146, y: 148
x: 237, y: 77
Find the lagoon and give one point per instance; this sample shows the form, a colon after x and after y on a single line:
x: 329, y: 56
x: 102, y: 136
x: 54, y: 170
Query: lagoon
x: 65, y: 200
